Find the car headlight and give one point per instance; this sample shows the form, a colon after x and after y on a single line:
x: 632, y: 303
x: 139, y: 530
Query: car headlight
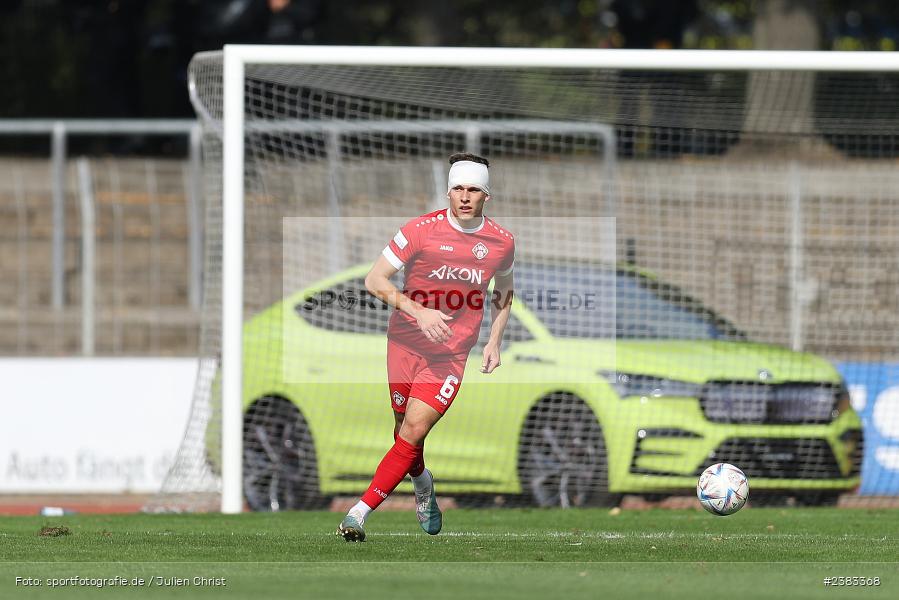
x: 844, y: 401
x: 630, y: 384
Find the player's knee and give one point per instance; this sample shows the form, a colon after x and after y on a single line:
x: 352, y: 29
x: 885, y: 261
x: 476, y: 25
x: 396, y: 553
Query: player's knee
x: 414, y: 433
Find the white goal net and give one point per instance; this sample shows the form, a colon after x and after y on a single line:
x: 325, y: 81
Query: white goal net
x: 706, y: 271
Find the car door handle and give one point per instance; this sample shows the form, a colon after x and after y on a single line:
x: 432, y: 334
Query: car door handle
x: 529, y: 358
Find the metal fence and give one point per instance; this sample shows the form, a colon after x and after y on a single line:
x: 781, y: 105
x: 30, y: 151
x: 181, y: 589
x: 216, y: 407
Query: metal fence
x: 100, y: 255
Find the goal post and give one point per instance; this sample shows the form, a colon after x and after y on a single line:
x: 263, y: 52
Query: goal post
x: 232, y: 280
x: 236, y: 59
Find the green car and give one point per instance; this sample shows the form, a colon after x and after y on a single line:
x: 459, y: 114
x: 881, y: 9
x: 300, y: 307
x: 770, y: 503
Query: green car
x: 637, y: 397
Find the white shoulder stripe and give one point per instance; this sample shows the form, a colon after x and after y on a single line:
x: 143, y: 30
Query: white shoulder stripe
x: 392, y: 258
x: 400, y: 239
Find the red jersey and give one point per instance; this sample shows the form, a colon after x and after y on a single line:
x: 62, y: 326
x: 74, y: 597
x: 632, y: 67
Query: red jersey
x: 448, y: 268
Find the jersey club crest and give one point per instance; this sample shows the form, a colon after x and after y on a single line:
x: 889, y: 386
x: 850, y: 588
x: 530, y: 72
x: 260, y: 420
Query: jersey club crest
x: 479, y: 250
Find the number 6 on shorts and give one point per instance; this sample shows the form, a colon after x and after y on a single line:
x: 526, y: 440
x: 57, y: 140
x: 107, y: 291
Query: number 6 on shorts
x: 449, y: 386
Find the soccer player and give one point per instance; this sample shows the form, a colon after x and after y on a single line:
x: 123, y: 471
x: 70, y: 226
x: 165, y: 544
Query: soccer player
x: 450, y: 256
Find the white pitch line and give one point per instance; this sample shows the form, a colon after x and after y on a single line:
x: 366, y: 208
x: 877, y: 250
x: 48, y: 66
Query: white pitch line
x: 613, y: 535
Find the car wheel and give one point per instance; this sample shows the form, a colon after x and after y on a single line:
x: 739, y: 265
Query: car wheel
x: 768, y: 499
x: 280, y: 471
x: 562, y: 459
x: 820, y: 498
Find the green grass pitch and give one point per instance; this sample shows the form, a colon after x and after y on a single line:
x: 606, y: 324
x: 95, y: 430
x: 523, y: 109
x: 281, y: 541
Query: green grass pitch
x: 512, y: 553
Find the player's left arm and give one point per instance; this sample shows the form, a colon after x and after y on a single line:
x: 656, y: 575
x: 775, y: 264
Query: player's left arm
x: 501, y: 307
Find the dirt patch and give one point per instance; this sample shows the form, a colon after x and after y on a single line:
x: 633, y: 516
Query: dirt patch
x: 57, y: 531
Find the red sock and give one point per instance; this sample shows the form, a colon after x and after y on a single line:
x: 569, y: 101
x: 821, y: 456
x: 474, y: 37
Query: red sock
x: 418, y: 466
x: 393, y: 468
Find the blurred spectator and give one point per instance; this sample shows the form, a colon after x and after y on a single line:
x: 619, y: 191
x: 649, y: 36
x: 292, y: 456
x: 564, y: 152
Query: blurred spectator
x: 257, y: 21
x: 658, y: 24
x: 290, y: 21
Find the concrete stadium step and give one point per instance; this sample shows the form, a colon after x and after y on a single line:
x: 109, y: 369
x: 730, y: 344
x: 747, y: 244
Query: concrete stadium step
x: 35, y: 222
x: 118, y: 332
x: 142, y: 262
x: 137, y: 272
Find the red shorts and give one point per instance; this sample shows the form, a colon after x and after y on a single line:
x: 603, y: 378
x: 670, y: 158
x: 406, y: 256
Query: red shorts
x: 410, y: 375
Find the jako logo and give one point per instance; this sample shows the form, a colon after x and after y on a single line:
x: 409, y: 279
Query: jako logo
x: 445, y: 247
x: 460, y: 273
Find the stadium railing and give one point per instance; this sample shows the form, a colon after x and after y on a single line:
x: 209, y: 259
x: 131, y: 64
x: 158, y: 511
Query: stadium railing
x: 162, y: 189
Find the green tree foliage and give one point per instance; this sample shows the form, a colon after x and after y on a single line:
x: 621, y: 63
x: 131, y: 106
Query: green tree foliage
x: 117, y: 58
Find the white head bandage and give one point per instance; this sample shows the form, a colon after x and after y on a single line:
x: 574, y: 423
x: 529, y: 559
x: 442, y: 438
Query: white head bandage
x: 466, y: 172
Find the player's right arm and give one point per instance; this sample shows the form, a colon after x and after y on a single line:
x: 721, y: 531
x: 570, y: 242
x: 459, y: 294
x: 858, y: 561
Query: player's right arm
x: 432, y: 323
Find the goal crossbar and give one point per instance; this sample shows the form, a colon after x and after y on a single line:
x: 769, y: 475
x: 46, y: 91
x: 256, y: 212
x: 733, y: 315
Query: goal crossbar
x: 566, y: 58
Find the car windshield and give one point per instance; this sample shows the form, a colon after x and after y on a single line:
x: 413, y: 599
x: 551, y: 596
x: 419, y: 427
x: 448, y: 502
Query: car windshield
x: 601, y: 302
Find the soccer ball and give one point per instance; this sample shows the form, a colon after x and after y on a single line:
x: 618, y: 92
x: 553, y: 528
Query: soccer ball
x: 722, y: 489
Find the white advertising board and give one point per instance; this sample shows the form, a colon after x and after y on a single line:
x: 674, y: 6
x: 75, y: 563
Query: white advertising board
x: 92, y: 425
